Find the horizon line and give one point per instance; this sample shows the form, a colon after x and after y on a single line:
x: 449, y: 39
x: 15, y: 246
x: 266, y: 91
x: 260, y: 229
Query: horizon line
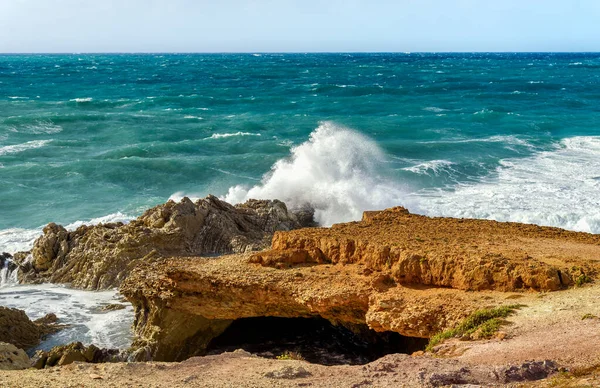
x: 292, y: 52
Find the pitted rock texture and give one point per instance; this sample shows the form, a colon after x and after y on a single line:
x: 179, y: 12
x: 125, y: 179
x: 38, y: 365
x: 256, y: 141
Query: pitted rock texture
x: 16, y: 328
x: 75, y: 351
x: 101, y: 256
x: 445, y: 252
x: 12, y: 358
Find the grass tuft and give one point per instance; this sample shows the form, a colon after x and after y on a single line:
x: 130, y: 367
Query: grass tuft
x: 486, y: 321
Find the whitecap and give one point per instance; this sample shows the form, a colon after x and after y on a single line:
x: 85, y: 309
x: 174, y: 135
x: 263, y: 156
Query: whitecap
x: 16, y: 148
x: 434, y: 167
x: 86, y: 99
x: 223, y: 135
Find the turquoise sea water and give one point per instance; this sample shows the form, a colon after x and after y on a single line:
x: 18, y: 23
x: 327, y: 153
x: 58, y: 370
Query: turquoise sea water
x: 91, y: 138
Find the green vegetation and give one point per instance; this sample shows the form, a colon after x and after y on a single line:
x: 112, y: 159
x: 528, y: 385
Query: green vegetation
x: 486, y: 322
x: 288, y: 355
x: 582, y: 279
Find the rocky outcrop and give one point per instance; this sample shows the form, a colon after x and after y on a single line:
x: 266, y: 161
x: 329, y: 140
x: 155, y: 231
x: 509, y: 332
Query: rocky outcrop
x: 12, y: 358
x: 393, y: 271
x: 16, y: 328
x: 76, y: 351
x: 101, y: 256
x: 445, y: 252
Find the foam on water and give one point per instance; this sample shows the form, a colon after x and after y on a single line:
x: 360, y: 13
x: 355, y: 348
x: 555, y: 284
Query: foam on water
x: 338, y: 171
x: 553, y: 188
x: 16, y: 148
x: 222, y: 135
x: 80, y: 309
x: 434, y: 167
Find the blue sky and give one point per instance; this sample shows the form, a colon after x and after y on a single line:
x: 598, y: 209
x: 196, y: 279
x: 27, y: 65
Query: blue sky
x: 298, y: 25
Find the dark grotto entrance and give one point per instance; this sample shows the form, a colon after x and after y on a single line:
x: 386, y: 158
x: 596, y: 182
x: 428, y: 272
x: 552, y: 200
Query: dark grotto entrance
x: 315, y: 339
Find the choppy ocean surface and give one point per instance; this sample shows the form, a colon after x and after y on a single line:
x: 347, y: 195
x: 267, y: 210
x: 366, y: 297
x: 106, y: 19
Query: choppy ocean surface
x: 98, y: 138
x: 92, y: 138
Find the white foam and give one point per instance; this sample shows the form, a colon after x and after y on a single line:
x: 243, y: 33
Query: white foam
x: 80, y: 309
x: 114, y: 217
x: 85, y: 99
x: 16, y: 148
x: 338, y: 171
x: 553, y: 188
x: 434, y: 167
x: 18, y: 240
x: 222, y: 135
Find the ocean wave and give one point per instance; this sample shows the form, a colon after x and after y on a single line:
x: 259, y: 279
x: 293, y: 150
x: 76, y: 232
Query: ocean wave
x: 84, y: 99
x: 114, y: 217
x: 338, y: 171
x: 553, y: 188
x: 17, y: 239
x: 435, y: 109
x: 434, y: 167
x: 37, y: 128
x: 16, y: 148
x: 222, y: 135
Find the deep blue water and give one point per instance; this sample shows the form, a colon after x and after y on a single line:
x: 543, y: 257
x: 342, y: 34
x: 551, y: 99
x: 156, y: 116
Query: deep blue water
x: 500, y: 136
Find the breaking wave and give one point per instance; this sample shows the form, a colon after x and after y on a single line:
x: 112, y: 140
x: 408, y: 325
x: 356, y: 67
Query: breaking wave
x: 338, y: 171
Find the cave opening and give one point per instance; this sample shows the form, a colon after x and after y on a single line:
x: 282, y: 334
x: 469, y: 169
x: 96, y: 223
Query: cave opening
x: 315, y: 340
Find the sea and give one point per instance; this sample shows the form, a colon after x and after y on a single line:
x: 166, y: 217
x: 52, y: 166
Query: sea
x: 90, y: 138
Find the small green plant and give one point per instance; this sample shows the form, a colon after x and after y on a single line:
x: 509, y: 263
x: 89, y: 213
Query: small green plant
x: 588, y: 316
x: 582, y: 279
x: 288, y: 355
x: 486, y: 321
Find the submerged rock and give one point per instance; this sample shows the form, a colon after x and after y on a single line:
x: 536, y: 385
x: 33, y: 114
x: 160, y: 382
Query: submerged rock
x: 16, y: 328
x: 12, y: 358
x: 101, y: 256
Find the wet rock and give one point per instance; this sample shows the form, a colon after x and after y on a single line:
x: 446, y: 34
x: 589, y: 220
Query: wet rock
x: 101, y: 256
x: 113, y: 307
x: 12, y: 358
x: 6, y: 258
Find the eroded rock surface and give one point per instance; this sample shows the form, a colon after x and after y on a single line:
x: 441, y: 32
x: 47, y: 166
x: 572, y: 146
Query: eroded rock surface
x: 16, y: 328
x: 101, y: 256
x: 12, y: 358
x: 446, y: 252
x: 393, y: 271
x: 76, y: 351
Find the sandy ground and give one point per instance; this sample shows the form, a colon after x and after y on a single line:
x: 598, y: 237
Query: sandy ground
x: 549, y: 327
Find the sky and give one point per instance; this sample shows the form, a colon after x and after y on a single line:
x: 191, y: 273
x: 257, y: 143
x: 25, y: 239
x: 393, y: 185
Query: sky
x: 298, y: 25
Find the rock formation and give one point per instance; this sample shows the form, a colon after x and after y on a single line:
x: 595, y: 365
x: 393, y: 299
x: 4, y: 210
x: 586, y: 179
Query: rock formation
x: 393, y: 271
x: 12, y: 358
x: 17, y: 329
x: 101, y: 256
x: 76, y: 351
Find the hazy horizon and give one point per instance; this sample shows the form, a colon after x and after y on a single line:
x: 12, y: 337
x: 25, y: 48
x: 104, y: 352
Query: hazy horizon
x: 290, y: 26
